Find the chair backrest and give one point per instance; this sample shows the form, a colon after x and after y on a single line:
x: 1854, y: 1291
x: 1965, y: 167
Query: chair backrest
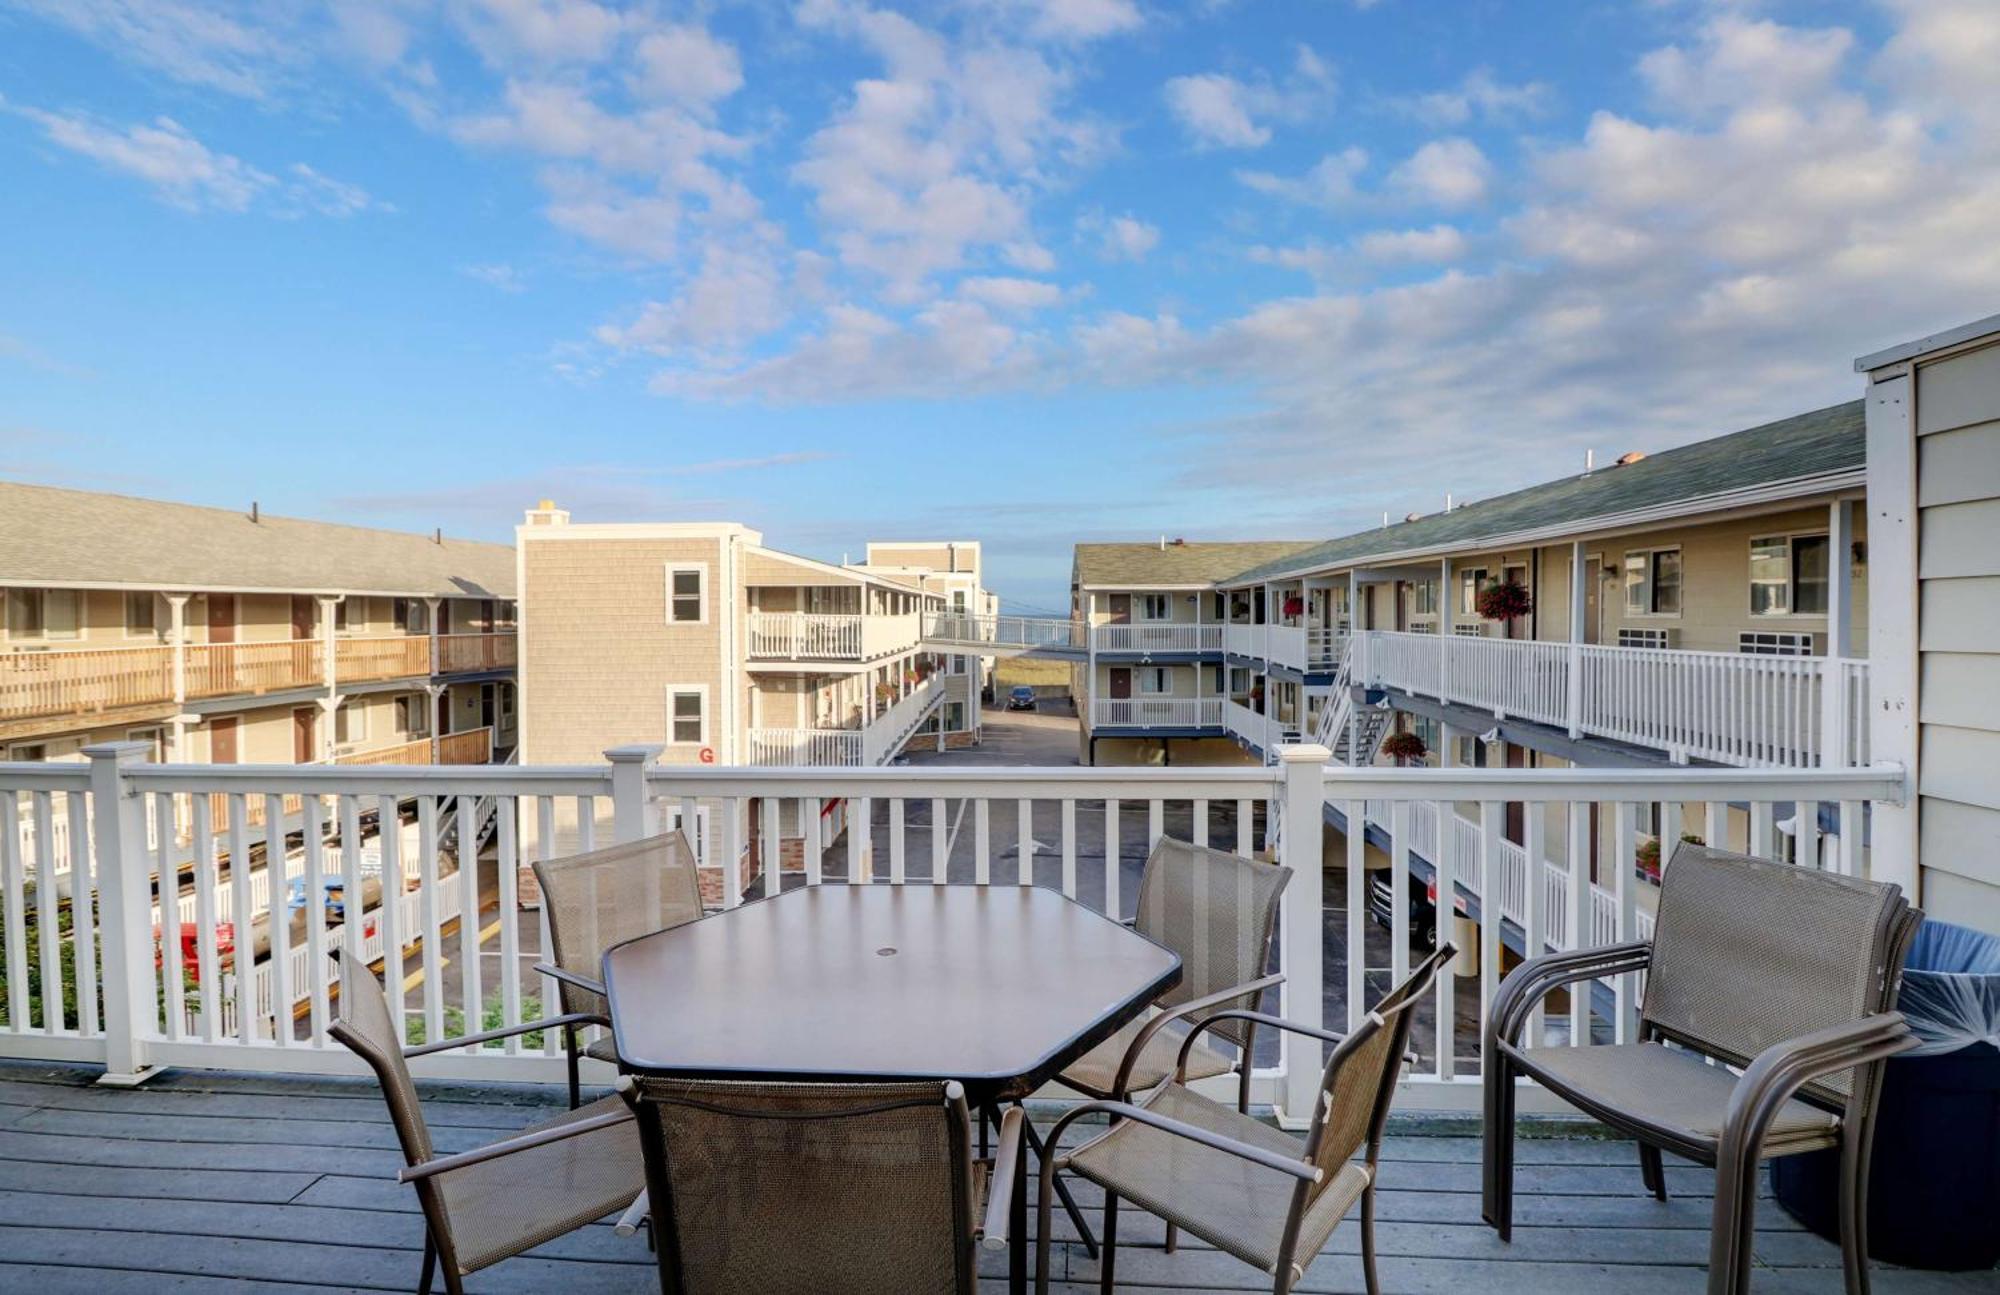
x: 608, y: 896
x: 367, y: 1027
x: 1360, y: 1077
x: 1748, y: 953
x: 1217, y: 911
x: 772, y: 1187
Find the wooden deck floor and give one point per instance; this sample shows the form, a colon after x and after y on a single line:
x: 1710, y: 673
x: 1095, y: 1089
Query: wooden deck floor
x: 211, y: 1182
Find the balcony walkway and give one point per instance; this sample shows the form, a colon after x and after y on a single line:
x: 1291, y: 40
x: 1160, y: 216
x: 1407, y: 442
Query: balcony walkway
x: 203, y: 1181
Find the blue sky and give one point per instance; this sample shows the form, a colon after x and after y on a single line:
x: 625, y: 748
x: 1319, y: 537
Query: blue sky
x: 1025, y: 271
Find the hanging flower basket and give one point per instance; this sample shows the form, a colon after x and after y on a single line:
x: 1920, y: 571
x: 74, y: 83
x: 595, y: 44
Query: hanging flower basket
x: 1401, y: 747
x: 1504, y: 602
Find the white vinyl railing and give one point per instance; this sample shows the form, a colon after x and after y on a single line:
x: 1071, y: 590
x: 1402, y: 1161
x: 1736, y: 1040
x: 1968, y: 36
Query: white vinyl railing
x: 1164, y: 636
x: 1286, y: 645
x: 957, y: 631
x: 260, y: 998
x: 1725, y: 707
x: 1156, y: 712
x: 812, y: 746
x: 792, y: 635
x: 886, y: 734
x: 1324, y: 647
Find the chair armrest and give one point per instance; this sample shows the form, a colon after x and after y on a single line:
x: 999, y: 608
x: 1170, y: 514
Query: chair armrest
x: 487, y: 1036
x: 1000, y: 1188
x: 1248, y: 989
x: 571, y: 979
x: 1532, y: 981
x: 1297, y: 1168
x: 1783, y: 1068
x: 508, y: 1146
x: 1256, y: 1018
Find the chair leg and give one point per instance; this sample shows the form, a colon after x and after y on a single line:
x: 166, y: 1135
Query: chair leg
x: 1036, y: 1145
x: 1042, y: 1212
x: 1854, y: 1156
x: 575, y: 1077
x: 1497, y: 1178
x: 1653, y: 1170
x: 1108, y: 1256
x: 1173, y: 1237
x: 1373, y: 1283
x: 1732, y: 1228
x: 430, y: 1264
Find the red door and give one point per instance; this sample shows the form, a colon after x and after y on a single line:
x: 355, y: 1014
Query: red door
x: 1120, y: 607
x: 222, y: 618
x: 222, y: 741
x: 302, y: 617
x: 1121, y: 683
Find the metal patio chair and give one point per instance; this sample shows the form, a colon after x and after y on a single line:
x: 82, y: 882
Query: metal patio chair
x: 775, y: 1188
x: 492, y: 1203
x: 599, y: 899
x: 1218, y: 911
x: 1251, y: 1190
x: 1786, y: 973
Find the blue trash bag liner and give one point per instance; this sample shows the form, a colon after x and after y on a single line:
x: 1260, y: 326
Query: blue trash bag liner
x: 1951, y: 989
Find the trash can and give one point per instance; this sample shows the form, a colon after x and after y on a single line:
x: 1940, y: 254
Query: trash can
x: 1934, y: 1185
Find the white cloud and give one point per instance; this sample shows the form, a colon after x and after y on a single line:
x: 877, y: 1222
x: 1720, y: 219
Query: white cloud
x: 1479, y: 95
x: 687, y: 65
x: 1445, y: 172
x: 1736, y: 61
x: 242, y: 54
x: 496, y: 274
x: 181, y: 169
x: 1007, y: 293
x: 1219, y: 111
x: 1083, y: 19
x: 308, y: 190
x: 1329, y: 183
x: 1437, y: 245
x: 1120, y: 238
x: 735, y: 297
x: 540, y: 31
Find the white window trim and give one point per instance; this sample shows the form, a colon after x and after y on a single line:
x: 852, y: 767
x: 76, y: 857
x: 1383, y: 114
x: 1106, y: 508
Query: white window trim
x: 1159, y: 672
x: 1791, y: 575
x: 1142, y: 600
x: 698, y: 689
x: 356, y: 718
x: 1625, y: 604
x: 667, y: 578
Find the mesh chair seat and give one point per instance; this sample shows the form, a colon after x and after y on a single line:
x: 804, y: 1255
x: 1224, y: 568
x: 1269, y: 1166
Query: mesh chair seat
x: 502, y: 1207
x: 1669, y: 1089
x: 1236, y: 1206
x: 603, y: 1049
x: 1096, y: 1071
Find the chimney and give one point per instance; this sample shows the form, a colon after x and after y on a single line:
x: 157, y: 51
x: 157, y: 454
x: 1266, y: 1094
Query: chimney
x: 1630, y: 457
x: 547, y: 514
x: 256, y: 514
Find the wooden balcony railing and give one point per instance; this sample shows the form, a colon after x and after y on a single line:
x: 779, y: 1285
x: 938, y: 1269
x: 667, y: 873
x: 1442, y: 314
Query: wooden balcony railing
x: 391, y: 656
x: 473, y: 746
x: 464, y: 653
x: 414, y: 751
x: 85, y: 681
x: 240, y: 669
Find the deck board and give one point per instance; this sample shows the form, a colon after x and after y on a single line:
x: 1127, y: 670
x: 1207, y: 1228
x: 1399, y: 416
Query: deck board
x: 213, y: 1182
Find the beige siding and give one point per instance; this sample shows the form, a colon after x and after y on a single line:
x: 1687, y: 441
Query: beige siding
x: 1958, y: 497
x: 597, y: 652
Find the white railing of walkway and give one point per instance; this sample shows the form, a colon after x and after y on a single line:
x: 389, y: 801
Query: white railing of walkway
x: 1156, y: 712
x: 1164, y: 636
x: 885, y: 735
x: 1726, y: 707
x: 133, y: 1015
x: 963, y: 631
x: 792, y: 635
x: 815, y: 746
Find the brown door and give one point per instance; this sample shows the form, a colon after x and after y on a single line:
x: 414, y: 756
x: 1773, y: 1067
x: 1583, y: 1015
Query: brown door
x: 1120, y: 606
x: 305, y: 749
x: 1517, y: 628
x: 222, y: 618
x: 222, y: 741
x: 1593, y: 581
x: 302, y: 617
x: 1121, y: 683
x: 1517, y: 826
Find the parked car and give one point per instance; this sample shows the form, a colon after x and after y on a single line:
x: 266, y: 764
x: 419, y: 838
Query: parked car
x: 336, y: 896
x: 1021, y: 697
x: 1422, y: 910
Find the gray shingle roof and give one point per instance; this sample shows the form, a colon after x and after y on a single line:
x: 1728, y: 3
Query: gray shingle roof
x: 77, y: 537
x: 1799, y: 448
x: 1137, y: 565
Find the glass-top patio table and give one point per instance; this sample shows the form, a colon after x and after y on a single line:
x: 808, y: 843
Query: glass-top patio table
x: 997, y: 987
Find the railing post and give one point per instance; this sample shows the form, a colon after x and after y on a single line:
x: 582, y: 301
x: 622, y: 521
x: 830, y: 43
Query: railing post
x: 1833, y: 712
x: 632, y: 814
x: 1301, y: 851
x: 124, y: 904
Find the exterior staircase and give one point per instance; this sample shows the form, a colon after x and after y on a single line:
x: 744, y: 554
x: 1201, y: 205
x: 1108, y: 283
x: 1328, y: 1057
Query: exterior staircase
x: 1352, y: 744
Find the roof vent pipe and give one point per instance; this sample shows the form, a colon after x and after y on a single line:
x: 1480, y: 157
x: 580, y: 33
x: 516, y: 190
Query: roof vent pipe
x: 437, y: 535
x: 1589, y: 462
x: 1447, y: 501
x: 256, y: 514
x: 1163, y: 544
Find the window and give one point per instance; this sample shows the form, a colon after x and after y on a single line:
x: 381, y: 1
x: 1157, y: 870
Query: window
x: 1154, y: 607
x: 142, y: 619
x: 29, y: 751
x: 954, y: 717
x: 154, y: 737
x: 687, y: 716
x: 1470, y: 582
x: 1424, y: 598
x: 412, y: 616
x: 506, y: 704
x: 342, y: 615
x: 1153, y: 679
x: 413, y: 713
x: 1789, y: 575
x: 685, y: 604
x: 350, y: 724
x: 42, y: 613
x: 1653, y: 582
x: 958, y: 601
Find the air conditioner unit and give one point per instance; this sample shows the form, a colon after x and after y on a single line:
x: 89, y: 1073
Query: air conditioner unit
x: 1777, y: 643
x: 1629, y: 637
x: 1469, y: 629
